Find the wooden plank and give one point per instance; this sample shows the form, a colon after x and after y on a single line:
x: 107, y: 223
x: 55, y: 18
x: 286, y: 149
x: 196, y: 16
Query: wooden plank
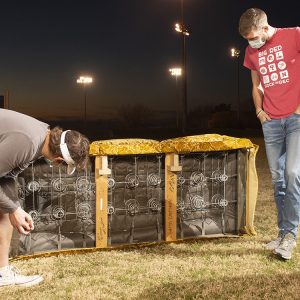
x: 101, y: 201
x: 171, y: 165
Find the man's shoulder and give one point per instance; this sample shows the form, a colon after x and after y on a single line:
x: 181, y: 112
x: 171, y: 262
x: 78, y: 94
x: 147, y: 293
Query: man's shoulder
x: 249, y: 50
x: 288, y: 30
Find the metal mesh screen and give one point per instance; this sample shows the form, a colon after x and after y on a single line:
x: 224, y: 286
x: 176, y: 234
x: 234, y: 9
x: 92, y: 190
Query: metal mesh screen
x: 62, y: 207
x: 136, y: 199
x: 207, y: 194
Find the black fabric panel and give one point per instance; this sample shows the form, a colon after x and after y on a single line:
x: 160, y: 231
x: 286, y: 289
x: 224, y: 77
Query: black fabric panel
x: 136, y: 199
x: 207, y: 194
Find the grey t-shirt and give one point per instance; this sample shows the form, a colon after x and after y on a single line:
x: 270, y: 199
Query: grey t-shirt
x: 21, y: 140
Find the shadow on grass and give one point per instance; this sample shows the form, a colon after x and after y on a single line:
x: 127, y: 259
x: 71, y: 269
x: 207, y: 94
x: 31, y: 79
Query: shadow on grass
x: 222, y: 248
x: 273, y: 286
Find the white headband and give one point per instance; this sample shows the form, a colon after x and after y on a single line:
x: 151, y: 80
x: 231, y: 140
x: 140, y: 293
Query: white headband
x: 66, y: 154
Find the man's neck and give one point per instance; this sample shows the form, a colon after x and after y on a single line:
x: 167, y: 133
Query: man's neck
x: 271, y: 32
x: 45, y: 150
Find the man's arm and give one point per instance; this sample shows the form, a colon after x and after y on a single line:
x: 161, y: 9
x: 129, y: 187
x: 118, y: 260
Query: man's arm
x: 258, y: 97
x: 21, y: 220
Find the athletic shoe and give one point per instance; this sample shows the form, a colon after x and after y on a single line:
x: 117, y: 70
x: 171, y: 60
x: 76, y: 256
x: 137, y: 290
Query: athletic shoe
x: 286, y: 246
x: 12, y: 276
x: 273, y: 244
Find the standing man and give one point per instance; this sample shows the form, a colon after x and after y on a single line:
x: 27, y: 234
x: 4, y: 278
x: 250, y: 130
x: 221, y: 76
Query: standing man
x: 24, y: 139
x: 273, y: 56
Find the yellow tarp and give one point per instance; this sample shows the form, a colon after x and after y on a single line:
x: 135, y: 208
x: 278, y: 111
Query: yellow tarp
x: 196, y: 143
x: 204, y: 143
x: 125, y: 147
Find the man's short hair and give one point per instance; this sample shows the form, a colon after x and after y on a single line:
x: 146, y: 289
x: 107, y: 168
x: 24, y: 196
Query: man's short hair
x: 252, y: 19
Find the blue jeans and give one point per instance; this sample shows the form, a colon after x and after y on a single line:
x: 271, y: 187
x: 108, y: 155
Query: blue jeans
x: 282, y: 140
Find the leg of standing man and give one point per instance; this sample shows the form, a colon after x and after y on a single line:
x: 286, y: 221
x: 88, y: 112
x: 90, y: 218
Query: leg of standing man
x: 274, y: 137
x: 282, y: 139
x: 292, y: 196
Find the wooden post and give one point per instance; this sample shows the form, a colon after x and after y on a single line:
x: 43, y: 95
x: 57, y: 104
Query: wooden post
x: 171, y: 167
x: 101, y: 174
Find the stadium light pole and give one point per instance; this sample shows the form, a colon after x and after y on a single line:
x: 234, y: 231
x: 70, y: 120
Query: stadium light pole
x: 180, y: 28
x: 85, y: 81
x: 235, y: 54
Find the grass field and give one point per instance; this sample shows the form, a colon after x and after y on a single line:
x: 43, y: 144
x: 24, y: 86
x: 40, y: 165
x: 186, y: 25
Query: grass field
x: 236, y: 268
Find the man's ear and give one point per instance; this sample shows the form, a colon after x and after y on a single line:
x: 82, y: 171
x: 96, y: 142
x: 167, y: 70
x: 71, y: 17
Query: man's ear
x: 58, y: 160
x: 265, y: 28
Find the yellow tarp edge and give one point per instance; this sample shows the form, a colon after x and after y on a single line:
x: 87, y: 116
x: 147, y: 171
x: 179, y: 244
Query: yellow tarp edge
x: 251, y: 190
x: 116, y: 248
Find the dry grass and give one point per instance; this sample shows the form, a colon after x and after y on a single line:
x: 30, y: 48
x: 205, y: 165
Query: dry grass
x: 211, y: 269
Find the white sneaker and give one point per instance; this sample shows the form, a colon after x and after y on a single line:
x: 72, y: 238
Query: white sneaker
x: 12, y: 276
x: 273, y: 244
x: 286, y: 247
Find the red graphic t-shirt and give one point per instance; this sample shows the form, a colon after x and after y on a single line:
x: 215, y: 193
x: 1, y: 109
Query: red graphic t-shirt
x: 278, y: 65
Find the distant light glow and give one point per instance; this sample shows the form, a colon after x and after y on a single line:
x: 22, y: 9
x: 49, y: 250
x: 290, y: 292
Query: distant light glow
x: 84, y: 79
x: 175, y: 71
x: 181, y: 29
x: 235, y: 52
x: 178, y: 27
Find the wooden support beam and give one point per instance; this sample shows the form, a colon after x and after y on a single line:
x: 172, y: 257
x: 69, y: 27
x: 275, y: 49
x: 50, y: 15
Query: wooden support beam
x: 174, y: 167
x: 101, y: 178
x: 171, y: 167
x: 104, y: 170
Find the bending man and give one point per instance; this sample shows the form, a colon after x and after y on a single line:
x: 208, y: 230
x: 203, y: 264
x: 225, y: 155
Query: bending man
x: 24, y: 139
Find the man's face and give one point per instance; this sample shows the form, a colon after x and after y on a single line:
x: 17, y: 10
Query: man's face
x: 258, y: 37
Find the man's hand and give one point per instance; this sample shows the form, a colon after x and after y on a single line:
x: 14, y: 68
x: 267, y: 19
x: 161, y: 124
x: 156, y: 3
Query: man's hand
x: 21, y: 220
x: 263, y: 116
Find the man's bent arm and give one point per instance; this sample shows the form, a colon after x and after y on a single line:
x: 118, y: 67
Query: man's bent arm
x: 257, y: 93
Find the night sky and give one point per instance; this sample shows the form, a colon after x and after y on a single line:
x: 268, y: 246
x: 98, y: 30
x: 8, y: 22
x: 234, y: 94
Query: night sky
x: 128, y: 47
